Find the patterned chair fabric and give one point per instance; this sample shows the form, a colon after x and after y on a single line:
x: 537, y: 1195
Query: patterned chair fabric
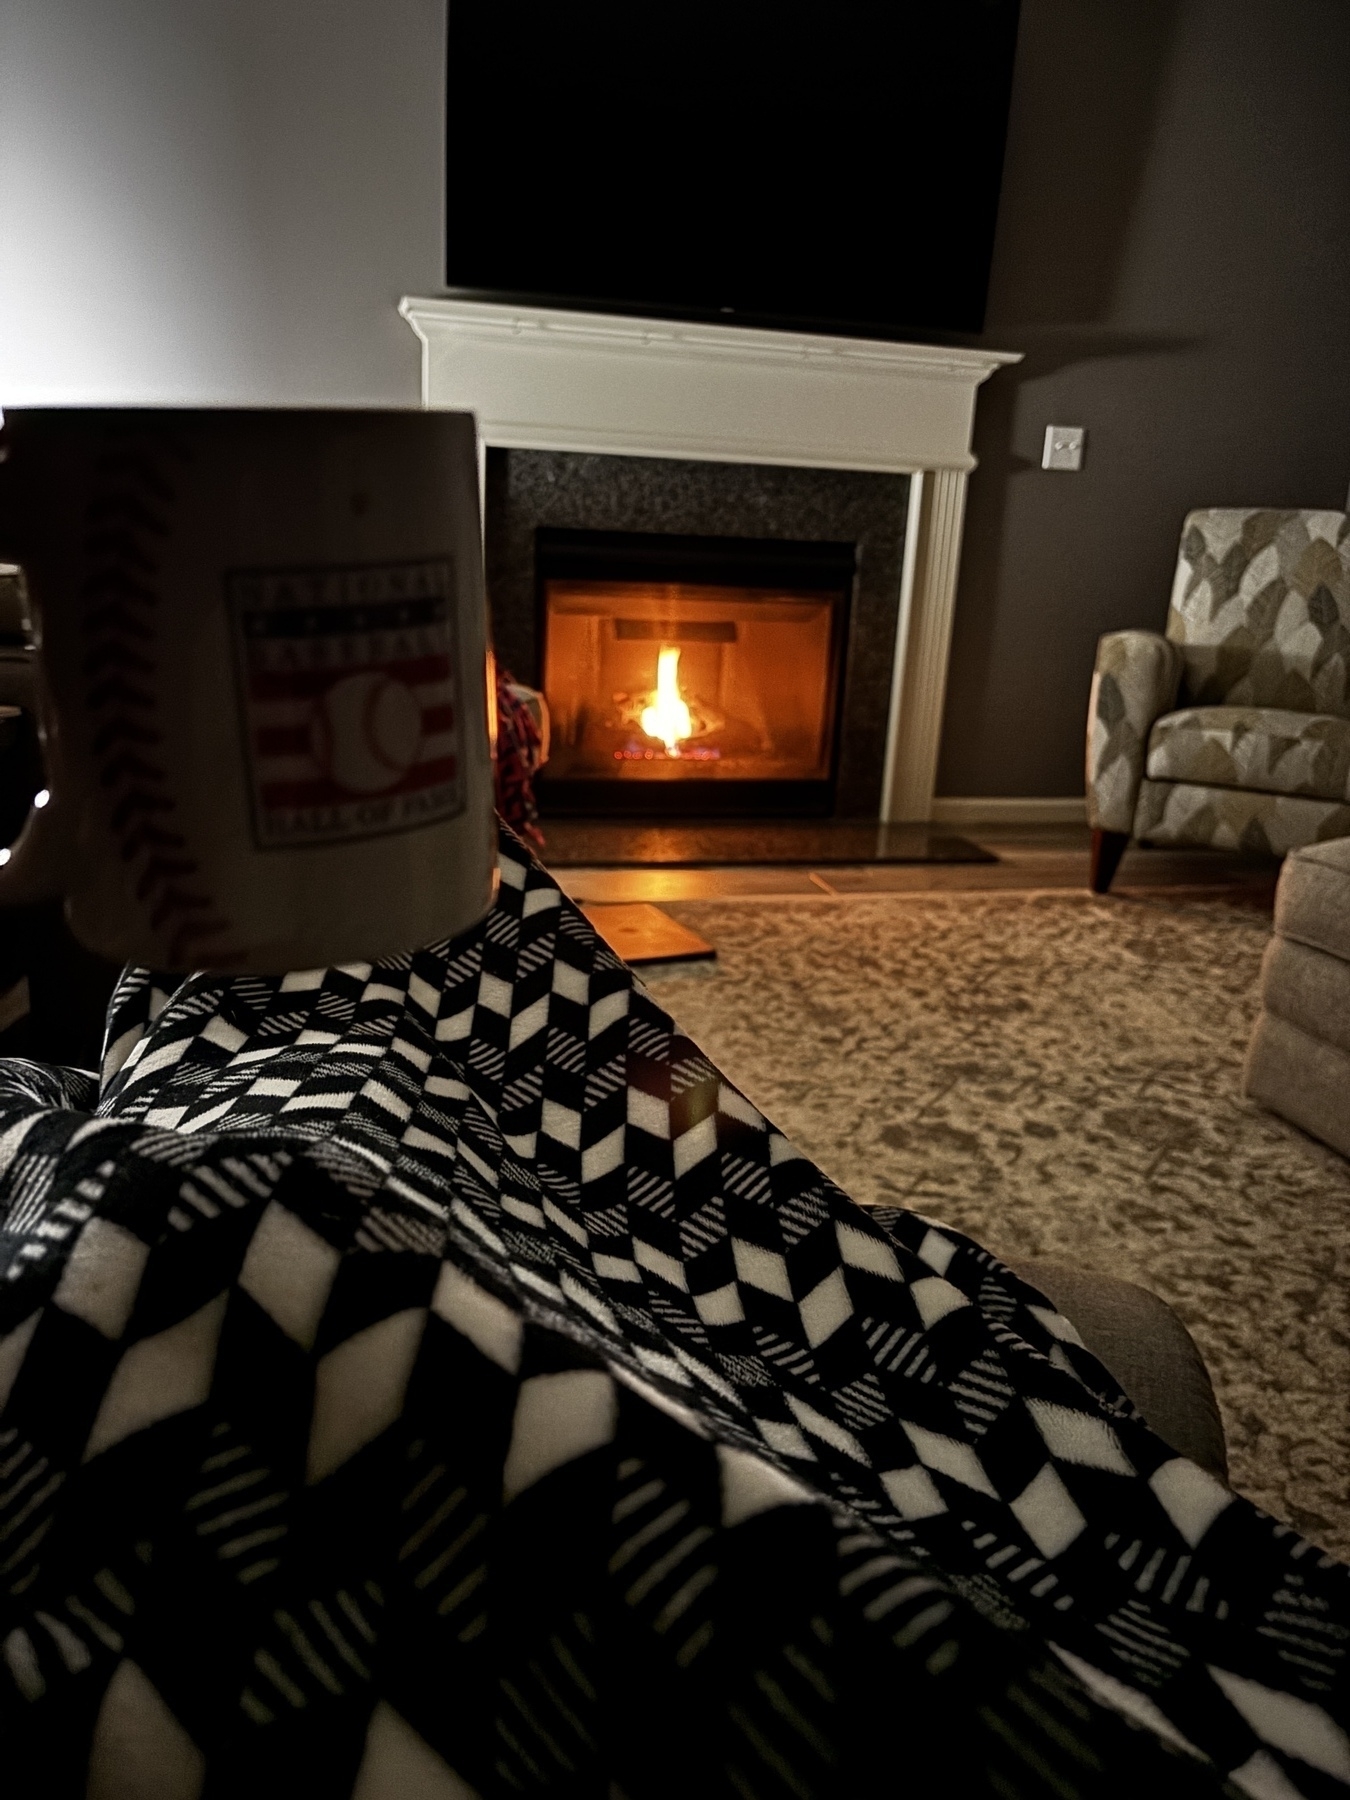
x: 1257, y: 651
x: 1261, y: 609
x: 1183, y: 812
x: 1266, y: 749
x: 1136, y: 679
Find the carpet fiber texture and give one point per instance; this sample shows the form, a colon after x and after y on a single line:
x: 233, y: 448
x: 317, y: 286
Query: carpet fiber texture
x: 1060, y: 1076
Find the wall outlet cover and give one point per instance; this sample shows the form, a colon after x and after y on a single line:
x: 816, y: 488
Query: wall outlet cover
x: 1063, y: 447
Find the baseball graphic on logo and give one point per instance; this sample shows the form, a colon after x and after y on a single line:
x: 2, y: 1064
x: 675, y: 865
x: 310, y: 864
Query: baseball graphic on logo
x: 366, y: 732
x: 351, y: 699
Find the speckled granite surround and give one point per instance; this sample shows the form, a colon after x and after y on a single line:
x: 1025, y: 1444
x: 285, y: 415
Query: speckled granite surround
x: 527, y: 489
x: 1059, y: 1077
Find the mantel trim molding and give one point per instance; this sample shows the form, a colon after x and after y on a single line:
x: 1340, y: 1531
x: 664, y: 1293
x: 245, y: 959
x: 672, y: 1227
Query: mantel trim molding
x: 490, y: 321
x: 540, y: 378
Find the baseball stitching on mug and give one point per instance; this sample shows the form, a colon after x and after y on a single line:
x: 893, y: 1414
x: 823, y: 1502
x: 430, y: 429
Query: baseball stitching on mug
x: 127, y: 513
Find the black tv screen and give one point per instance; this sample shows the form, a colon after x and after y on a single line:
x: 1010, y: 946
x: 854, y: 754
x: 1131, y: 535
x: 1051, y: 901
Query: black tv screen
x: 828, y: 166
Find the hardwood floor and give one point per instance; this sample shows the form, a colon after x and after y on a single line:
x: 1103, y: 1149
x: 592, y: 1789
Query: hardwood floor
x: 1028, y: 857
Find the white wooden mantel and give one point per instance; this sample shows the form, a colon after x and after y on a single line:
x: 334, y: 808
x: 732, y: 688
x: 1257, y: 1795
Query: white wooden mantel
x: 540, y: 379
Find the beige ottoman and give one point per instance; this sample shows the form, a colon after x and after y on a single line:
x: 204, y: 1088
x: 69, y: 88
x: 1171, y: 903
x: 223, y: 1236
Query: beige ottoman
x: 1299, y: 1061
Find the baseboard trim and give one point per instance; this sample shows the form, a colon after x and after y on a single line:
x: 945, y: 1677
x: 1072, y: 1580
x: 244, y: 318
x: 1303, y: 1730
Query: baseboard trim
x: 999, y: 809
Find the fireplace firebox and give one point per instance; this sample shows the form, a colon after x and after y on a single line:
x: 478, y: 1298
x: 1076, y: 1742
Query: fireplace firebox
x: 692, y: 676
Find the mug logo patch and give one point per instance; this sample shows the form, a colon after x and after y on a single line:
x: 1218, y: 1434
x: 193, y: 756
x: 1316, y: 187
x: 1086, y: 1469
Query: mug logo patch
x: 350, y: 687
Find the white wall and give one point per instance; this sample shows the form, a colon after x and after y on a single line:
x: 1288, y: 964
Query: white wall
x: 217, y: 200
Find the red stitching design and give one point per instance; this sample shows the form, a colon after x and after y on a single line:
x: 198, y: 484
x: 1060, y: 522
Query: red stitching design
x: 125, y: 515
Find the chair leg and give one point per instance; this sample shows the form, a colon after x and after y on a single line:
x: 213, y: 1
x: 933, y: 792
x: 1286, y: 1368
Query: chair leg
x: 1107, y: 849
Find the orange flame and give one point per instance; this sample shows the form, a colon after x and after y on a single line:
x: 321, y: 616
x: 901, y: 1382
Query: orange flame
x: 667, y: 718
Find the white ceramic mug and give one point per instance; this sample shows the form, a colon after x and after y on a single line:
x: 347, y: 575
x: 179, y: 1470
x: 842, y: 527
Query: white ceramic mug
x: 259, y: 667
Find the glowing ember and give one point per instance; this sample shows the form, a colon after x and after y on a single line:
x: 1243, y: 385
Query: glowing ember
x: 632, y: 752
x: 667, y: 717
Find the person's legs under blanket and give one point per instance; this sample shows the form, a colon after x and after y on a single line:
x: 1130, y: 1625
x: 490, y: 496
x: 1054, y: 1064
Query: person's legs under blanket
x: 436, y: 1372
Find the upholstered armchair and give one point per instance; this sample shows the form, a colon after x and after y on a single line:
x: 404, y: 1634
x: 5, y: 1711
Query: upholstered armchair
x: 1232, y: 727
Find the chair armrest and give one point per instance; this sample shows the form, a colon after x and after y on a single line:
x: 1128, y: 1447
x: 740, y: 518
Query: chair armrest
x: 1135, y: 681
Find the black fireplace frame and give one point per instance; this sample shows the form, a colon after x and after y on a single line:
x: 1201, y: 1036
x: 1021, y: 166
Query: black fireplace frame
x: 769, y: 563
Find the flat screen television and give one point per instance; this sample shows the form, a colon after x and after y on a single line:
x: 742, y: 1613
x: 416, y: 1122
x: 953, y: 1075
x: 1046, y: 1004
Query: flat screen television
x: 830, y: 167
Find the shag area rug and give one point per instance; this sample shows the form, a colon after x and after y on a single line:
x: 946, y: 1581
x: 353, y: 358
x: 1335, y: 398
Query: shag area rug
x: 1059, y: 1076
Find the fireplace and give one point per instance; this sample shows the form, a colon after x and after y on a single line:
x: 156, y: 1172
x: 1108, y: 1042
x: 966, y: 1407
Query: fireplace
x: 780, y: 588
x: 692, y: 676
x: 557, y: 394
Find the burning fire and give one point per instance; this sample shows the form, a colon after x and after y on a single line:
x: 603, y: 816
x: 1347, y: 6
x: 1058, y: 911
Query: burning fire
x: 668, y: 717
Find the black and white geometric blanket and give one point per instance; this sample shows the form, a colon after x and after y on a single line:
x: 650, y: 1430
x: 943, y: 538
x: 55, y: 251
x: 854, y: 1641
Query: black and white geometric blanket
x: 433, y: 1378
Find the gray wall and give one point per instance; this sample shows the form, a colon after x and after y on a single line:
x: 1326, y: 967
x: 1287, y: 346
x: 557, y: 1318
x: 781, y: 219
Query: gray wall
x: 217, y: 200
x: 1174, y: 258
x: 221, y: 200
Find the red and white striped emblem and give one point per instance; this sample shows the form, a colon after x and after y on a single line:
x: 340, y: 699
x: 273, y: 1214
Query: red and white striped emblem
x: 349, y: 680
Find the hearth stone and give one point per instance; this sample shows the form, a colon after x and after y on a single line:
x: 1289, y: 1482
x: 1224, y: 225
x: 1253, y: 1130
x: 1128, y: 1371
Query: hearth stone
x: 711, y: 844
x: 528, y: 491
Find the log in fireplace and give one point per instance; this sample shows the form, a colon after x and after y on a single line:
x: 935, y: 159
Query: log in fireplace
x: 692, y: 676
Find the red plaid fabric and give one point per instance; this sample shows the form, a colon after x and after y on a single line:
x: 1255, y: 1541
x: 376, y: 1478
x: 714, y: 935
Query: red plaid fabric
x: 519, y: 754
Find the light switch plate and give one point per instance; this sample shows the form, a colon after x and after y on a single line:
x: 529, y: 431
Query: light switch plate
x: 1063, y: 447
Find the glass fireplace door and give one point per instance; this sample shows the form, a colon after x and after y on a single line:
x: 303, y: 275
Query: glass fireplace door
x: 650, y: 682
x: 700, y: 692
